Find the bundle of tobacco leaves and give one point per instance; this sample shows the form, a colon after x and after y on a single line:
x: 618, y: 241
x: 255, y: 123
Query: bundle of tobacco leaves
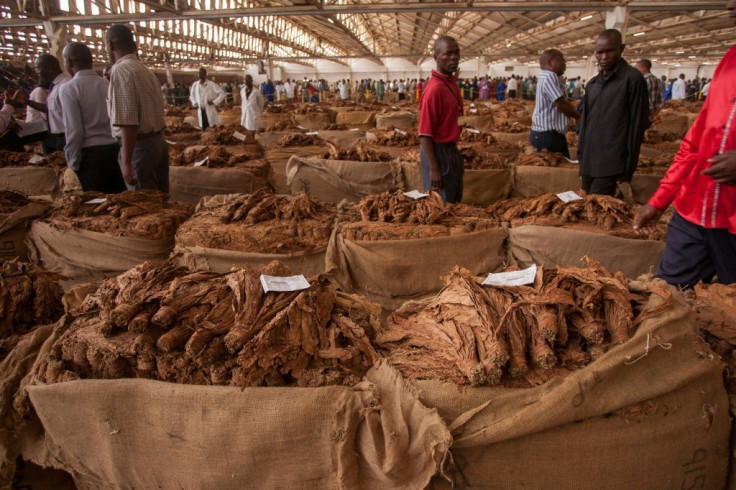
x: 515, y: 335
x: 594, y: 211
x: 543, y: 158
x: 510, y: 127
x: 161, y: 322
x: 55, y: 160
x: 394, y: 216
x: 261, y: 222
x: 313, y: 109
x: 225, y: 135
x: 358, y: 153
x: 11, y: 202
x: 298, y: 139
x: 28, y: 297
x: 394, y: 137
x: 144, y: 214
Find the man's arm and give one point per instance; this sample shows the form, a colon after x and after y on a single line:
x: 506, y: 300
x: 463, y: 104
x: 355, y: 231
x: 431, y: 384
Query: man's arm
x: 426, y: 144
x: 638, y: 123
x: 219, y: 95
x: 565, y: 106
x: 74, y: 131
x: 6, y: 116
x: 129, y: 139
x: 192, y: 95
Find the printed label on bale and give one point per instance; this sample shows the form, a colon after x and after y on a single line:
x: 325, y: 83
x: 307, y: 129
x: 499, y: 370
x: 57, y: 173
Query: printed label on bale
x: 170, y: 142
x: 312, y: 133
x: 283, y: 284
x: 35, y: 159
x: 415, y: 194
x: 355, y: 129
x: 569, y: 196
x: 513, y: 278
x: 471, y: 130
x: 201, y: 162
x: 403, y: 133
x: 239, y: 136
x: 98, y: 200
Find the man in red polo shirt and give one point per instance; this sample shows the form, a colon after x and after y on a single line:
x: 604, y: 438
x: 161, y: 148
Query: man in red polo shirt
x: 439, y: 108
x: 701, y: 182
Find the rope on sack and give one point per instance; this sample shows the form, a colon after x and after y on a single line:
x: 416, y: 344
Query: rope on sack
x: 655, y: 339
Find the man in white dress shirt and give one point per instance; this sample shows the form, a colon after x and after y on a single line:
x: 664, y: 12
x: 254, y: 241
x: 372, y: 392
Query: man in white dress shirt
x: 252, y: 105
x: 205, y: 96
x: 91, y: 151
x: 678, y: 88
x: 49, y: 70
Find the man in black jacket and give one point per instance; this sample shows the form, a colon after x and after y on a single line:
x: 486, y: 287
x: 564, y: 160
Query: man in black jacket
x: 615, y: 116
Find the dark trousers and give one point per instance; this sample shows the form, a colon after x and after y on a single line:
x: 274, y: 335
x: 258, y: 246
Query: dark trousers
x: 53, y: 142
x: 452, y: 168
x: 693, y: 254
x: 600, y: 185
x: 512, y: 94
x: 99, y: 169
x: 151, y: 162
x: 549, y: 140
x: 205, y: 121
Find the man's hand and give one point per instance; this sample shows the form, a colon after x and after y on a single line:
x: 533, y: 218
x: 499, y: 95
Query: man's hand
x: 16, y: 99
x: 209, y: 102
x: 645, y: 220
x: 723, y: 169
x: 129, y: 175
x: 435, y: 177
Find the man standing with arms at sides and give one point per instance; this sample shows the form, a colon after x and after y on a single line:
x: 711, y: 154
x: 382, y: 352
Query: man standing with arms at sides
x: 552, y: 112
x: 701, y: 184
x: 615, y: 116
x: 679, y: 88
x: 439, y: 109
x: 49, y: 71
x: 205, y: 96
x: 654, y: 88
x: 91, y: 151
x: 252, y: 105
x: 289, y: 87
x: 344, y: 89
x: 136, y: 111
x: 513, y: 86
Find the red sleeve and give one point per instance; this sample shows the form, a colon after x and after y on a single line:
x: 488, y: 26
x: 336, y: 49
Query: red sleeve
x: 686, y: 157
x: 428, y: 111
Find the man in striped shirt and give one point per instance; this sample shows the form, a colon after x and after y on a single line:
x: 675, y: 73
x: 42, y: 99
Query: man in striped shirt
x: 654, y: 88
x: 553, y: 111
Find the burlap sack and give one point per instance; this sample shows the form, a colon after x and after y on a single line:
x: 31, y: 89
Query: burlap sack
x: 480, y: 187
x: 357, y: 119
x: 211, y: 259
x: 651, y: 413
x: 315, y: 120
x: 190, y: 184
x: 549, y: 247
x: 343, y: 139
x: 31, y: 181
x: 192, y: 121
x: 268, y: 138
x: 482, y: 122
x: 398, y: 119
x: 530, y: 181
x: 230, y: 117
x: 335, y: 180
x: 644, y: 186
x: 279, y: 157
x: 522, y: 138
x: 269, y: 119
x: 391, y: 272
x: 14, y: 228
x: 16, y: 365
x: 134, y: 433
x: 87, y: 255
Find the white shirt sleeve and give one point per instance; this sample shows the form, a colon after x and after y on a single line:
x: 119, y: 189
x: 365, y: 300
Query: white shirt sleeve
x: 73, y: 124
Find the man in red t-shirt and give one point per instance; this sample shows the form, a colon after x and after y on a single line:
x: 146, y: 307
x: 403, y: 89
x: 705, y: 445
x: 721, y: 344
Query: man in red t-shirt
x: 439, y: 108
x: 701, y: 183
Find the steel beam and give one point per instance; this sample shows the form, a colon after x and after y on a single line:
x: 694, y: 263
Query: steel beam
x: 409, y: 8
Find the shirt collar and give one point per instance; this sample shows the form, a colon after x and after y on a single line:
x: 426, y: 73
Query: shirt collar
x: 442, y: 76
x: 130, y: 56
x: 615, y: 72
x: 60, y: 78
x: 85, y: 73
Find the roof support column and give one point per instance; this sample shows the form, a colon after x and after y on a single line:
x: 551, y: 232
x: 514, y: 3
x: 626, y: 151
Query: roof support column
x: 618, y: 19
x: 57, y: 37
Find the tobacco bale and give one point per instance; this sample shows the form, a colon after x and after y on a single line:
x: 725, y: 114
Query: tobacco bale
x: 11, y: 202
x: 298, y: 139
x: 392, y: 136
x: 261, y: 222
x: 543, y: 158
x: 510, y: 127
x: 28, y: 297
x: 594, y: 211
x: 55, y: 160
x: 223, y: 135
x: 210, y: 328
x: 145, y: 214
x: 511, y: 335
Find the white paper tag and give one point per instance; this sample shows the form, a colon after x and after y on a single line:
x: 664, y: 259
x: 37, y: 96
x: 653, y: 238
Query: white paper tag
x: 355, y: 129
x: 394, y: 107
x: 513, y: 278
x: 282, y: 284
x: 35, y: 159
x: 473, y: 111
x: 572, y: 161
x: 239, y: 136
x: 569, y: 196
x: 403, y: 133
x: 301, y: 127
x: 415, y: 194
x: 311, y: 133
x: 98, y: 200
x: 170, y: 142
x: 201, y: 162
x: 471, y: 130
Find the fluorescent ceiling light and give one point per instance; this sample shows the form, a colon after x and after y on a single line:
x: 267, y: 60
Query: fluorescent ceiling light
x: 586, y: 17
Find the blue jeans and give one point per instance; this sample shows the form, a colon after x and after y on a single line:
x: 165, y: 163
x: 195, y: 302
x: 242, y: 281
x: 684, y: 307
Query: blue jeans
x: 549, y: 140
